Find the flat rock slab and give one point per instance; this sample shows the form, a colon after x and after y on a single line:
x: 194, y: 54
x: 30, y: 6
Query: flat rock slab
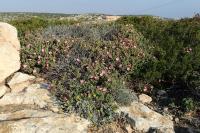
x: 144, y: 119
x: 35, y: 121
x: 33, y: 111
x: 33, y: 95
x: 19, y: 81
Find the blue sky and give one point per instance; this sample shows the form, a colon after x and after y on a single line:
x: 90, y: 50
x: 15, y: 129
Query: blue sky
x: 164, y: 8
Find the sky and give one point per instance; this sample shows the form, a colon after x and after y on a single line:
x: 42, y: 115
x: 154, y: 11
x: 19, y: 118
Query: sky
x: 163, y: 8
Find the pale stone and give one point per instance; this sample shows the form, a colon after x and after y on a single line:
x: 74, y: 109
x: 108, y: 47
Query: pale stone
x: 9, y: 51
x: 145, y: 98
x: 3, y: 90
x: 19, y: 81
x: 36, y: 121
x: 33, y: 111
x: 33, y: 95
x: 111, y: 18
x: 144, y: 119
x: 8, y: 33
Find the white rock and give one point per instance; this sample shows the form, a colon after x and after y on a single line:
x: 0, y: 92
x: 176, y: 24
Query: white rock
x: 8, y: 33
x: 145, y: 98
x: 144, y: 119
x: 9, y: 51
x: 33, y: 95
x: 36, y: 121
x: 19, y: 81
x: 3, y: 90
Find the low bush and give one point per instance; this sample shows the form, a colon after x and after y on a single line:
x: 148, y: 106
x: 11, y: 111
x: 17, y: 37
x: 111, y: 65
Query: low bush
x: 176, y: 57
x: 91, y: 76
x: 88, y: 65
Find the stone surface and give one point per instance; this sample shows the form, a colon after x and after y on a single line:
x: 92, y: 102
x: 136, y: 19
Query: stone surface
x: 36, y: 121
x: 19, y: 81
x: 8, y: 33
x: 111, y: 18
x: 33, y: 95
x: 145, y: 98
x: 3, y: 90
x: 144, y: 119
x: 34, y: 111
x: 9, y: 51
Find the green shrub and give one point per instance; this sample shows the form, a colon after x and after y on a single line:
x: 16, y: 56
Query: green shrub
x: 89, y: 78
x: 175, y: 58
x: 188, y: 104
x: 24, y: 26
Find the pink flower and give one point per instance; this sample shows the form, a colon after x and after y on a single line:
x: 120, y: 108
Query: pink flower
x: 109, y: 80
x: 24, y: 66
x: 78, y: 60
x: 96, y: 78
x: 43, y: 50
x: 39, y: 62
x: 117, y: 59
x: 28, y: 46
x: 103, y: 72
x: 128, y: 69
x: 82, y: 81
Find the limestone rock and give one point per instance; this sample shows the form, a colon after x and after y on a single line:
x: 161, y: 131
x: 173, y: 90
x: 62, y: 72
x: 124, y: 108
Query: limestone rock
x: 145, y: 119
x: 38, y: 121
x: 9, y: 51
x: 19, y: 81
x: 8, y: 33
x: 145, y: 98
x: 33, y: 95
x: 3, y: 90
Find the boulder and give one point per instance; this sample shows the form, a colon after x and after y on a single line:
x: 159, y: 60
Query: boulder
x: 9, y: 51
x: 144, y: 119
x: 3, y: 90
x: 145, y: 98
x: 19, y: 81
x: 8, y: 33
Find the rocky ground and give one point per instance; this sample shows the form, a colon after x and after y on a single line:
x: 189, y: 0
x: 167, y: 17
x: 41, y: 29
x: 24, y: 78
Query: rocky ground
x: 26, y: 105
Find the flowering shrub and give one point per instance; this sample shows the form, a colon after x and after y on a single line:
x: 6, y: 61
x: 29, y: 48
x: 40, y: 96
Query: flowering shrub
x: 176, y: 57
x: 91, y: 76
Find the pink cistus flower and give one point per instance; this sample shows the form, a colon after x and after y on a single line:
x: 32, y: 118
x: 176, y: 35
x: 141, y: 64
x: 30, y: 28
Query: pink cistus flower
x: 82, y: 81
x: 28, y: 46
x: 103, y: 72
x: 43, y: 50
x: 109, y: 80
x: 117, y: 59
x: 24, y: 66
x: 39, y: 62
x: 78, y: 60
x: 128, y: 69
x: 96, y: 78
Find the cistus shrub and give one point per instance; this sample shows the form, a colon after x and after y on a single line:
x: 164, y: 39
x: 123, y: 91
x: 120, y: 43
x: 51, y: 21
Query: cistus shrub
x: 90, y: 77
x: 176, y: 56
